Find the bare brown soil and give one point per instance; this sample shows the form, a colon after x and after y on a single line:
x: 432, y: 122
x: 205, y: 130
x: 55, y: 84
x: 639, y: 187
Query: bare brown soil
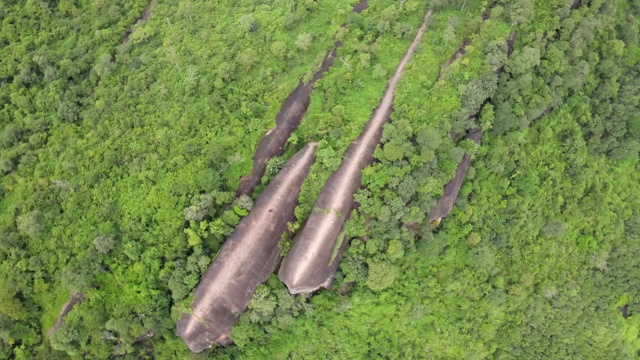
x: 452, y: 189
x: 75, y: 299
x: 146, y: 15
x: 287, y: 120
x: 361, y: 6
x: 511, y: 42
x: 576, y: 4
x: 460, y: 51
x: 314, y: 258
x: 246, y: 259
x: 455, y: 137
x: 624, y: 311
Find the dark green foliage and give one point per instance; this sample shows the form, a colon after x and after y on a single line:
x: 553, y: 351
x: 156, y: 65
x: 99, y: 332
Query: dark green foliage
x: 119, y: 161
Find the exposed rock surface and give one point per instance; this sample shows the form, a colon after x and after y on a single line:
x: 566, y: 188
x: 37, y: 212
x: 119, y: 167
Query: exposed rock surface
x: 452, y: 189
x: 246, y: 259
x: 317, y: 249
x: 287, y: 120
x: 76, y: 298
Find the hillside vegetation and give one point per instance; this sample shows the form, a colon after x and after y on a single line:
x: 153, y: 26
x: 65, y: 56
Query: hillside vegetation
x: 121, y: 152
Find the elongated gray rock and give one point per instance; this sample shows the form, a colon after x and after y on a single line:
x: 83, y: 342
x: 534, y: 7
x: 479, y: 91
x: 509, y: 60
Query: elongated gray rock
x: 288, y: 119
x: 452, y: 189
x: 246, y: 259
x: 317, y: 249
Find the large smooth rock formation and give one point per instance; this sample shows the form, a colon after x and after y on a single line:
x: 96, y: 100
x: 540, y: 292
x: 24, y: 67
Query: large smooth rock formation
x: 288, y: 119
x: 246, y: 259
x: 452, y: 189
x: 317, y: 249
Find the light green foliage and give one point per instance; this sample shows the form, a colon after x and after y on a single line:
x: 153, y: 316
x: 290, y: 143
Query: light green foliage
x: 274, y: 165
x: 429, y: 138
x: 456, y: 153
x: 279, y: 49
x: 200, y: 205
x: 365, y: 61
x: 304, y: 41
x: 393, y: 152
x: 395, y: 250
x: 379, y: 72
x: 104, y: 243
x: 192, y: 238
x: 381, y: 275
x: 10, y: 305
x: 30, y: 224
x: 554, y: 229
x: 449, y: 33
x: 119, y: 162
x: 248, y: 23
x: 474, y: 238
x: 244, y: 202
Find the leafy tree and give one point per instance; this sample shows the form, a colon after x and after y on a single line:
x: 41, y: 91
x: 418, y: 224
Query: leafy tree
x: 245, y: 202
x: 10, y: 305
x: 393, y: 152
x: 104, y: 243
x: 395, y: 250
x: 6, y: 165
x: 456, y: 154
x: 449, y: 33
x: 248, y: 23
x: 11, y: 135
x: 303, y: 41
x: 554, y: 229
x: 279, y: 49
x: 199, y: 208
x: 381, y: 275
x: 30, y: 224
x: 262, y: 305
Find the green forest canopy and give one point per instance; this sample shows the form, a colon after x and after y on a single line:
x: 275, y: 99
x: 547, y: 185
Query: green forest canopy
x: 120, y: 155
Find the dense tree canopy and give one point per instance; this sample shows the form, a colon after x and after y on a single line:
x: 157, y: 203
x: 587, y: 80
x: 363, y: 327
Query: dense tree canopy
x: 125, y: 128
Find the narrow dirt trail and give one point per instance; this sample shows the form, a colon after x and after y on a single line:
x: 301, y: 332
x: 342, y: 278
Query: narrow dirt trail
x: 317, y: 251
x: 75, y: 299
x: 246, y: 259
x: 146, y: 15
x: 460, y: 51
x: 287, y: 120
